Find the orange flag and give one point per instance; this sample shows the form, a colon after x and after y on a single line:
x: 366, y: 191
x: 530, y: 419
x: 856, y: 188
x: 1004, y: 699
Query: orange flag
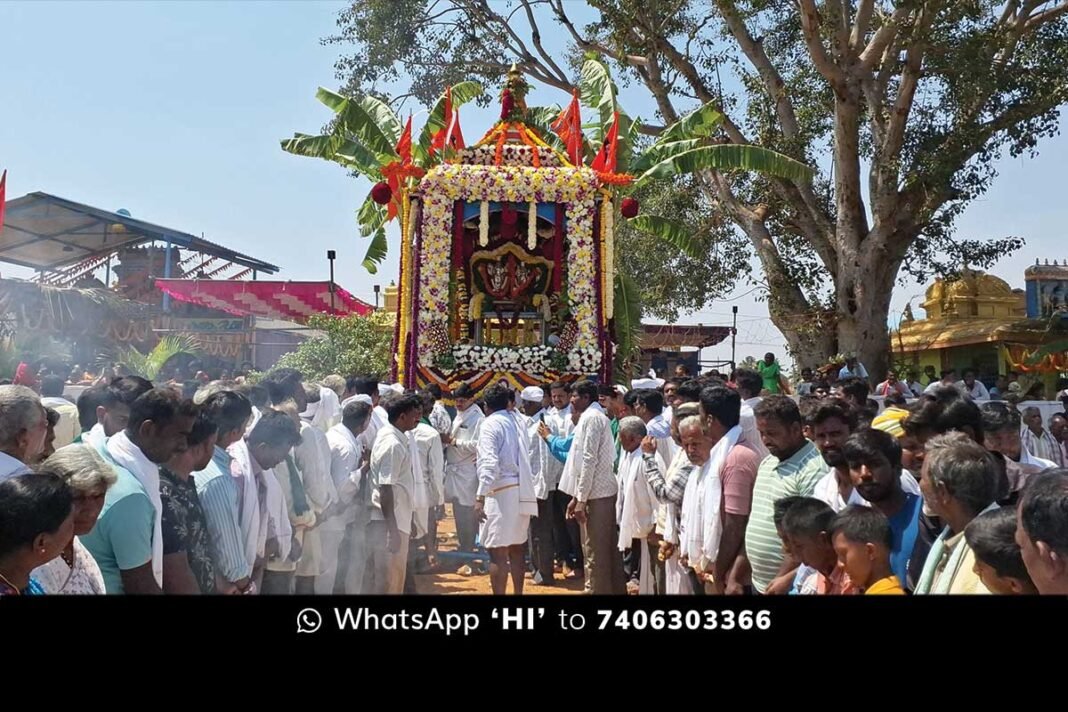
x: 605, y: 162
x: 438, y: 142
x: 568, y: 126
x: 404, y: 145
x: 454, y: 138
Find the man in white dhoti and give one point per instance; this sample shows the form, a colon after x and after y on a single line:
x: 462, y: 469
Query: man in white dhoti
x: 506, y: 500
x: 542, y: 549
x: 636, y: 506
x: 431, y: 484
x: 461, y: 479
x: 351, y: 510
x: 312, y: 458
x: 392, y: 482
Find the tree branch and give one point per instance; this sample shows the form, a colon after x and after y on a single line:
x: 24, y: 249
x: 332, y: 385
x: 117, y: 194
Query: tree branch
x: 884, y: 36
x: 587, y: 44
x: 535, y: 34
x: 860, y: 26
x: 754, y: 51
x: 810, y: 25
x: 1046, y: 16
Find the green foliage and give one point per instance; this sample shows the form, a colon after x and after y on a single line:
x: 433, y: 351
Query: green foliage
x: 148, y: 365
x: 349, y: 345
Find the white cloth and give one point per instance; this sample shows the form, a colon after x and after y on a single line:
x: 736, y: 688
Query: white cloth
x: 636, y: 512
x: 96, y: 437
x: 358, y: 398
x: 1027, y: 458
x: 67, y: 428
x: 651, y: 383
x: 461, y: 478
x: 420, y: 490
x: 312, y: 457
x: 379, y: 419
x: 504, y: 479
x: 253, y: 526
x: 701, y: 504
x: 127, y: 454
x: 845, y: 372
x: 346, y: 452
x: 538, y: 452
x: 827, y: 491
x: 56, y: 578
x: 256, y: 415
x: 659, y: 428
x: 391, y: 464
x: 329, y: 413
x: 747, y: 419
x: 12, y: 467
x: 432, y: 456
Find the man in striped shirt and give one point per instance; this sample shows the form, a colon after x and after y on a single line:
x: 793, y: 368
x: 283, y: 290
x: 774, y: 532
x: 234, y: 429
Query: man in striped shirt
x: 217, y: 491
x: 793, y: 468
x: 1037, y: 440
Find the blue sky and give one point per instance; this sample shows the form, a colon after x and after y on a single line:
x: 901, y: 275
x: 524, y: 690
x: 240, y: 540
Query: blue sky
x: 173, y: 110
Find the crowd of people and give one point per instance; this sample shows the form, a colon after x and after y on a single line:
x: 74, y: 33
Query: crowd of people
x: 695, y: 486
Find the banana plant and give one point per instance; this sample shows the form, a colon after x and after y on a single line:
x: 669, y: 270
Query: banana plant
x: 690, y: 145
x: 363, y: 138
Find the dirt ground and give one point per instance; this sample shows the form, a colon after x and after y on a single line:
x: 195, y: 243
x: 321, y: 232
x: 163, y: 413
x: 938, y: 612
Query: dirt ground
x: 444, y: 580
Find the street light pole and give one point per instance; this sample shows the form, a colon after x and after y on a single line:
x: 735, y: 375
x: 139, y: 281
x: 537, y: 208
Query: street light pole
x: 734, y: 334
x: 331, y: 255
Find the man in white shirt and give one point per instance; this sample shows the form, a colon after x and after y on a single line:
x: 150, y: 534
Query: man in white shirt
x: 949, y: 380
x: 852, y: 368
x: 113, y: 411
x: 542, y: 549
x: 431, y: 468
x: 23, y: 428
x: 461, y: 479
x: 506, y: 498
x: 1001, y: 433
x: 392, y: 482
x: 351, y: 510
x: 650, y: 407
x: 1058, y: 427
x: 589, y: 479
x: 636, y: 509
x: 312, y: 458
x: 1037, y: 440
x: 973, y: 388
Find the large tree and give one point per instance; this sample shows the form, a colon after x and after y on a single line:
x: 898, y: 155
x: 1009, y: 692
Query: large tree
x: 904, y: 105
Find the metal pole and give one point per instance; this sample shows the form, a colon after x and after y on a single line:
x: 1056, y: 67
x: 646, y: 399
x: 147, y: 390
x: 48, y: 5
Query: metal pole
x: 167, y: 275
x: 734, y: 334
x: 330, y: 255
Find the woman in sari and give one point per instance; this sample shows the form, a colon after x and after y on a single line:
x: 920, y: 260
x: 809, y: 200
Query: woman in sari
x: 74, y: 571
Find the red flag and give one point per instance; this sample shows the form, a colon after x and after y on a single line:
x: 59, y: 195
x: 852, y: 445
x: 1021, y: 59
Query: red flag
x: 568, y: 126
x: 438, y: 142
x: 3, y: 197
x: 454, y: 138
x: 404, y: 145
x: 605, y: 162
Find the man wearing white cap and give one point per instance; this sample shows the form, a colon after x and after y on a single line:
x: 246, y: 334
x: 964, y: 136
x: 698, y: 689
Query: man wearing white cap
x: 461, y: 477
x: 506, y: 497
x: 541, y: 541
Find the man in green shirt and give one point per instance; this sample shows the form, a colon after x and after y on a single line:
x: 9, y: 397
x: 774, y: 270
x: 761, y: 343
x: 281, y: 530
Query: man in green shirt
x: 769, y: 371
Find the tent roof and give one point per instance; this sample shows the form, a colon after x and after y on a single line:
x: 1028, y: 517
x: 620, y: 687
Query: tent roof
x: 45, y: 232
x: 665, y: 336
x: 287, y: 301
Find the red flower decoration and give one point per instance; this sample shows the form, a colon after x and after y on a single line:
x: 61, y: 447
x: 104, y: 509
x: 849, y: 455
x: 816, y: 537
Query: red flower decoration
x: 381, y: 193
x: 507, y: 104
x: 629, y: 208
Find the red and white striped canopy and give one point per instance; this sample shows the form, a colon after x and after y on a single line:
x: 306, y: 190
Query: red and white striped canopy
x: 288, y: 301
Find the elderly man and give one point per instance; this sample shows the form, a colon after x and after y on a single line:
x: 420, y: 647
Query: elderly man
x: 1001, y: 434
x: 1058, y: 427
x: 23, y: 429
x: 542, y: 549
x: 958, y: 481
x: 1041, y: 534
x: 1037, y: 440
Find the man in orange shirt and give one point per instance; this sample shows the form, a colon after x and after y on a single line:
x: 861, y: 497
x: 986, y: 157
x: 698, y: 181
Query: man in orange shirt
x: 862, y: 541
